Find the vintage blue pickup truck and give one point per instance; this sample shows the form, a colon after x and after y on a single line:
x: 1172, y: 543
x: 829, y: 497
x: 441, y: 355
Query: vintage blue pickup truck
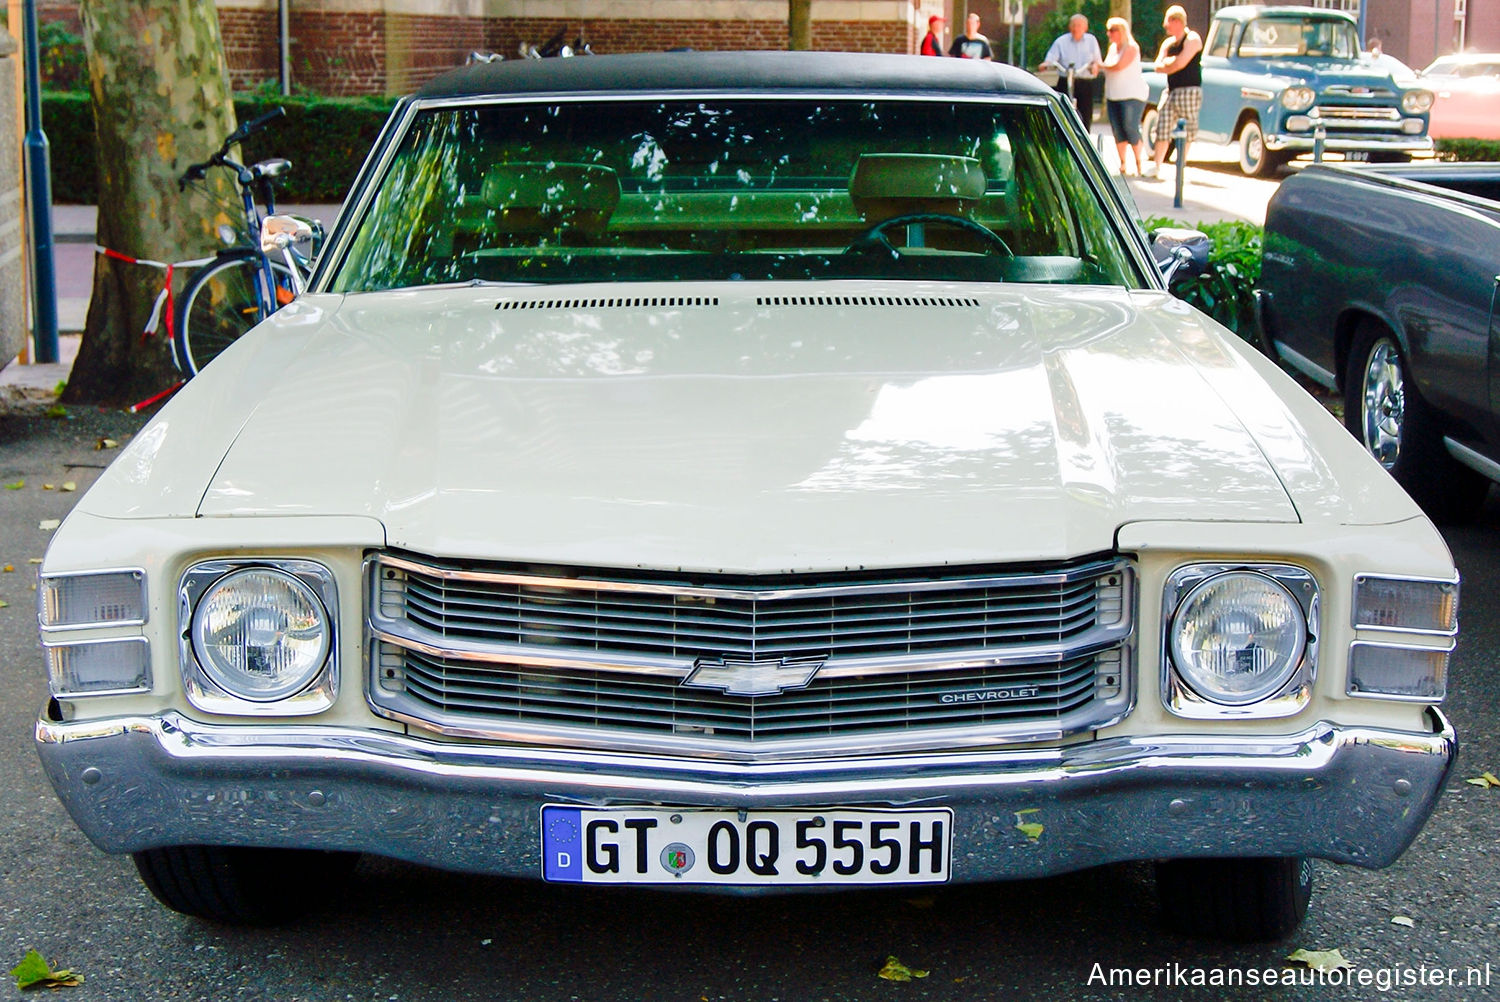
x: 1273, y: 75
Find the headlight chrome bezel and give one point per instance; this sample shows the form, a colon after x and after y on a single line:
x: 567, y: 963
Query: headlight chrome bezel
x: 1293, y: 692
x: 1298, y: 98
x: 209, y: 694
x: 1417, y: 101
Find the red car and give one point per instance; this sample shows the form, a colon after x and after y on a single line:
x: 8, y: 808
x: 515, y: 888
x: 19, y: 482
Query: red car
x: 1467, y: 90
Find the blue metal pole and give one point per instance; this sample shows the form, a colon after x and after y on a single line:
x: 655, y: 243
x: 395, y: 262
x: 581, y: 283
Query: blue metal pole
x: 1179, y: 140
x: 39, y: 198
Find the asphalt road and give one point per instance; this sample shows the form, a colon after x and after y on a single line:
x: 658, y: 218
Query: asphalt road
x: 399, y: 932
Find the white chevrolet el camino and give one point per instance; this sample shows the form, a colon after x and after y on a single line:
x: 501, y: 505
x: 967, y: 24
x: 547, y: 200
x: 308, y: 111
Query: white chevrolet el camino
x: 745, y: 471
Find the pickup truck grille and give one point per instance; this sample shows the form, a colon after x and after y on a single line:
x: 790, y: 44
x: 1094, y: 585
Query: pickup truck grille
x: 1353, y: 118
x: 601, y: 658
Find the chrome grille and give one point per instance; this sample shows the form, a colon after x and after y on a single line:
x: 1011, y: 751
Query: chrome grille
x: 692, y: 625
x: 1340, y: 117
x: 883, y: 702
x: 944, y: 657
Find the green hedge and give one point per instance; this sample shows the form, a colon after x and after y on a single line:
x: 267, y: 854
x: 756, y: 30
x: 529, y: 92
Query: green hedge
x: 1468, y: 149
x: 1225, y: 291
x: 325, y: 138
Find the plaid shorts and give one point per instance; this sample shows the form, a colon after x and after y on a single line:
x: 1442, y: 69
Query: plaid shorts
x: 1184, y: 102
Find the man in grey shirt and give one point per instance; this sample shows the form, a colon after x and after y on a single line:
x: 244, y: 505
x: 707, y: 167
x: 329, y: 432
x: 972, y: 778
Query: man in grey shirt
x: 1078, y: 51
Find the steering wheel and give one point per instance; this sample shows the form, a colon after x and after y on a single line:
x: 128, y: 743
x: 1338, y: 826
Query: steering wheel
x: 873, y: 239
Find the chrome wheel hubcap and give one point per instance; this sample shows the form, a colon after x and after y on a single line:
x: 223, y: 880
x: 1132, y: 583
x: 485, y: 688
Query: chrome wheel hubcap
x: 1254, y: 147
x: 1384, y: 410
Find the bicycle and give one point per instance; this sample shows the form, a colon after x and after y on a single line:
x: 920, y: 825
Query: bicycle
x: 245, y: 284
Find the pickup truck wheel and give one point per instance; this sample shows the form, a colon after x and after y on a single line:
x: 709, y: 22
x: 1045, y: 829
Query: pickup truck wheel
x: 1148, y: 126
x: 1255, y: 159
x: 1395, y: 425
x: 1246, y: 900
x: 241, y: 886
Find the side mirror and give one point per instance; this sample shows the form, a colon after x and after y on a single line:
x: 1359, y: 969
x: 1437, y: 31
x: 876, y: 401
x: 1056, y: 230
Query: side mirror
x: 1180, y: 253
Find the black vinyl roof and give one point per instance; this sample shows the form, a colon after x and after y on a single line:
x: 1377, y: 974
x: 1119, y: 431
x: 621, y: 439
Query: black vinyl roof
x: 732, y: 71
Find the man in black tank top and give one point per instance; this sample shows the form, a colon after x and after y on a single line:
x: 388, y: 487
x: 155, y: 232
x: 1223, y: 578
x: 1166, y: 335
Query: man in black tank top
x: 1180, y: 59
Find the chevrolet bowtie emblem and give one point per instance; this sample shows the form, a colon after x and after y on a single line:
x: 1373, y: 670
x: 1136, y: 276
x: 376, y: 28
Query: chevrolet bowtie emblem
x: 750, y: 677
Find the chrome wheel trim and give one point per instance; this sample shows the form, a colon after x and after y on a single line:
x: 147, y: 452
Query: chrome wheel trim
x: 1252, y: 148
x: 1383, y: 403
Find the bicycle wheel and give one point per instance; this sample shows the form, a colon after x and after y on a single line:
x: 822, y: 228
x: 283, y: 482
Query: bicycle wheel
x: 218, y: 306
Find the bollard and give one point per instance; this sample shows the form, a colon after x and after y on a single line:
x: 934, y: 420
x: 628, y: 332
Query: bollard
x: 1320, y: 136
x: 1179, y: 143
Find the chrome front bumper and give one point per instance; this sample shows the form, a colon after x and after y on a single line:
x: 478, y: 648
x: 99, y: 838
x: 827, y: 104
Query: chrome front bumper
x: 1348, y: 144
x: 1353, y: 795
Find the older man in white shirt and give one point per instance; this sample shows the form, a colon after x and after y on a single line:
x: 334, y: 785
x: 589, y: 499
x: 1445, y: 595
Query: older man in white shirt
x: 1077, y: 51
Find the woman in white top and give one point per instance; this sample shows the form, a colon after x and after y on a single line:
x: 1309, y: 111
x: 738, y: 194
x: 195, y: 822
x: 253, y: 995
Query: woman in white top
x: 1125, y: 90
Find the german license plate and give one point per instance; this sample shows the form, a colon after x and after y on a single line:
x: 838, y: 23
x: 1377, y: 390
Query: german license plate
x: 653, y: 845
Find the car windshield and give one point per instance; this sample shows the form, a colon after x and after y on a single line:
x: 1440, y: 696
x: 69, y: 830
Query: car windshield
x: 1459, y: 67
x: 1325, y: 37
x: 735, y: 188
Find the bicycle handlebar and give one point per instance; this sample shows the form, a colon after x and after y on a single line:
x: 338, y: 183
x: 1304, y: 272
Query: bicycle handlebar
x: 197, y: 172
x: 250, y: 128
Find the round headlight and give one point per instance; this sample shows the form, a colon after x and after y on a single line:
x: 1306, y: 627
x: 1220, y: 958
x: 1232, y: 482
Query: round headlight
x: 1415, y: 102
x: 260, y: 634
x: 1237, y: 637
x: 1298, y: 98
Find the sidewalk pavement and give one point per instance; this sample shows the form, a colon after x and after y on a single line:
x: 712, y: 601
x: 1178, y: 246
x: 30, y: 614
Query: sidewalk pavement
x: 1209, y: 194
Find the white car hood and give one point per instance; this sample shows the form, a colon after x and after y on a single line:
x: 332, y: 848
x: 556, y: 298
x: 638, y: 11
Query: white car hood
x: 751, y: 428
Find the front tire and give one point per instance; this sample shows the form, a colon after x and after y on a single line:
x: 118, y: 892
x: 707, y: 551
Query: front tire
x: 1384, y: 411
x: 241, y: 885
x: 1255, y: 159
x: 1245, y: 900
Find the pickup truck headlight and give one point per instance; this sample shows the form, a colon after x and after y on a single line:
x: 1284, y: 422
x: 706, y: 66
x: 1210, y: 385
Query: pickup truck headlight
x: 260, y: 633
x: 1298, y: 98
x: 1416, y: 102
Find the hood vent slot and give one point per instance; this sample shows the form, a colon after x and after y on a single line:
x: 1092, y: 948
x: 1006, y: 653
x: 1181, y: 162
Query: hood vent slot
x: 616, y: 303
x: 866, y: 301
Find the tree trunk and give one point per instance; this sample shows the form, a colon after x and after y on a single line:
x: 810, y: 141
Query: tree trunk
x: 799, y: 24
x: 161, y: 102
x: 1121, y: 8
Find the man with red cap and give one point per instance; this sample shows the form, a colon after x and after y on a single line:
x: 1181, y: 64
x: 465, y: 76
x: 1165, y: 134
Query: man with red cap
x: 932, y: 45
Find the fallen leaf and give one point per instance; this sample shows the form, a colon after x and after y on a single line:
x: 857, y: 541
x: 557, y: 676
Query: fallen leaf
x: 34, y: 560
x: 894, y: 970
x: 1403, y: 920
x: 1484, y: 779
x: 107, y: 443
x: 1030, y: 829
x: 15, y: 486
x: 34, y: 971
x: 8, y: 568
x: 48, y: 524
x: 56, y: 411
x: 4, y: 604
x: 49, y: 487
x: 69, y: 485
x: 1320, y: 960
